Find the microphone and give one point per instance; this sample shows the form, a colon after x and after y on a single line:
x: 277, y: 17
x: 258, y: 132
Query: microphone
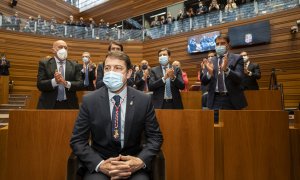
x: 275, y: 69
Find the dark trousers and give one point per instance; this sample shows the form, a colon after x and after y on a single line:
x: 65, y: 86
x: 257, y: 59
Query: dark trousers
x: 139, y: 175
x: 221, y: 102
x: 168, y: 104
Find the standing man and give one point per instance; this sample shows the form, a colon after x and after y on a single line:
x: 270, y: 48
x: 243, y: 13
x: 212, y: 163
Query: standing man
x: 165, y: 82
x: 251, y: 73
x: 88, y: 72
x: 4, y: 66
x: 58, y: 79
x: 113, y: 46
x: 223, y: 75
x: 142, y: 77
x: 116, y: 117
x: 184, y: 76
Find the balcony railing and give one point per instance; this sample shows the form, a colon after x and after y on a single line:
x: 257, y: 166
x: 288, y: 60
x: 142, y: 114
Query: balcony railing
x: 43, y: 27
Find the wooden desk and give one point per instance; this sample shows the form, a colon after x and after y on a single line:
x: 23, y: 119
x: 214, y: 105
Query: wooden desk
x: 4, y: 80
x: 295, y: 147
x: 263, y: 100
x: 256, y: 145
x: 3, y: 152
x: 191, y: 99
x: 38, y: 144
x: 188, y: 143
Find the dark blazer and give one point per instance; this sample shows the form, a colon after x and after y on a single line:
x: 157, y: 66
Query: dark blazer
x: 100, y: 75
x: 157, y: 85
x: 92, y: 77
x: 4, y: 68
x: 46, y: 72
x: 94, y: 119
x: 139, y: 82
x: 250, y: 82
x: 232, y: 81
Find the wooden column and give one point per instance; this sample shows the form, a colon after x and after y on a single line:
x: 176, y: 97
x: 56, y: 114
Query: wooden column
x: 3, y: 152
x: 4, y: 80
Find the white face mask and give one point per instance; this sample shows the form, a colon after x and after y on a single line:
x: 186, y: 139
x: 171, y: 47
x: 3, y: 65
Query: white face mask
x: 163, y: 60
x: 245, y: 58
x: 85, y: 59
x: 62, y: 54
x: 113, y: 81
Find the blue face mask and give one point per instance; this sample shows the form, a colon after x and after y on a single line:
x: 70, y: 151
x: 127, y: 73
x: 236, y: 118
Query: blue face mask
x: 164, y: 60
x: 221, y: 50
x: 113, y: 81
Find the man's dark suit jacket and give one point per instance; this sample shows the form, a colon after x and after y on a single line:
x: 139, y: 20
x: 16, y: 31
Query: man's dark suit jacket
x: 4, y: 71
x: 232, y: 81
x: 46, y: 72
x: 100, y: 75
x: 250, y: 82
x: 157, y: 85
x: 139, y: 82
x: 94, y: 119
x: 92, y: 77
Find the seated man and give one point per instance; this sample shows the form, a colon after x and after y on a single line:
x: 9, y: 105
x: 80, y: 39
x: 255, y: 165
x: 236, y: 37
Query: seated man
x: 116, y: 117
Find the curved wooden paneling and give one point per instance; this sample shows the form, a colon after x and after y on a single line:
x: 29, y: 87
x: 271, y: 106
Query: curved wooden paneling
x: 46, y: 8
x: 116, y: 10
x: 25, y: 50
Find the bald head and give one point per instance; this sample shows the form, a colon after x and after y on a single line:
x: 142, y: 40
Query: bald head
x: 59, y: 44
x: 176, y: 63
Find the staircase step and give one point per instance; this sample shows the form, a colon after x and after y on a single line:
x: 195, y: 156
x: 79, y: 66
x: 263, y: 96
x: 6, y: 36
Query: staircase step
x: 16, y: 102
x: 4, y: 118
x: 19, y: 95
x: 11, y: 106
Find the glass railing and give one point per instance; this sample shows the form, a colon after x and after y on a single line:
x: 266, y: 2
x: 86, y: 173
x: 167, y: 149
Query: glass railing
x: 245, y: 11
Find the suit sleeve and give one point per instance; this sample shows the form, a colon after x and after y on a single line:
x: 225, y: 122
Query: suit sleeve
x: 153, y: 82
x: 100, y: 74
x: 256, y: 74
x: 77, y: 83
x: 43, y: 81
x: 204, y: 78
x: 178, y: 82
x: 236, y: 73
x: 80, y: 138
x: 154, y: 138
x: 138, y: 79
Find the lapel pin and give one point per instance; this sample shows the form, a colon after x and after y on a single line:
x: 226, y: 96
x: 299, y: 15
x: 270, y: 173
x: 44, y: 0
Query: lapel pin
x: 131, y: 103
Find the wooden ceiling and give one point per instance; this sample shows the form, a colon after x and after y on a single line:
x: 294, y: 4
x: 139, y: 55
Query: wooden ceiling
x: 117, y: 10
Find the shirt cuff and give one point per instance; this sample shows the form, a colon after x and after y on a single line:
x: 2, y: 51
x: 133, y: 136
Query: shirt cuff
x: 250, y: 73
x: 208, y: 75
x: 53, y: 82
x: 97, y: 167
x: 227, y: 72
x: 163, y: 80
x: 173, y: 79
x: 68, y: 85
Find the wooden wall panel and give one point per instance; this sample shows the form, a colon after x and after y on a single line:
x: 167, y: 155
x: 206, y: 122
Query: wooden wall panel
x: 282, y: 53
x: 117, y: 10
x: 25, y: 50
x: 46, y: 8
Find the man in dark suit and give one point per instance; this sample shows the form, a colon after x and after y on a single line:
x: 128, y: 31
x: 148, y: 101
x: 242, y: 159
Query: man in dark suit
x: 58, y: 79
x: 113, y: 46
x: 223, y: 75
x: 165, y: 82
x: 4, y: 65
x: 251, y: 73
x: 142, y: 77
x: 88, y: 69
x: 116, y: 117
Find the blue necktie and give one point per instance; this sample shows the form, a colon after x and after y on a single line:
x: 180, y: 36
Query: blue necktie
x: 61, y: 88
x: 220, y: 76
x: 86, y: 79
x: 116, y: 120
x: 168, y: 87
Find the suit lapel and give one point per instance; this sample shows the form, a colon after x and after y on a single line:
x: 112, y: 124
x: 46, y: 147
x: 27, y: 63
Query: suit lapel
x: 53, y: 66
x: 68, y: 70
x: 130, y: 107
x: 104, y: 112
